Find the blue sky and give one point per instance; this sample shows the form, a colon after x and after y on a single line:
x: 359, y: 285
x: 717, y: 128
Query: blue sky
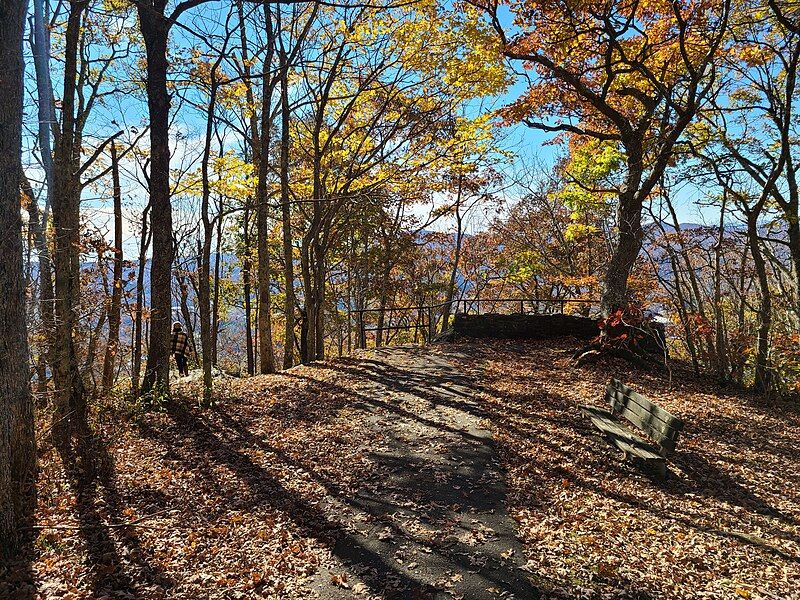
x: 128, y: 110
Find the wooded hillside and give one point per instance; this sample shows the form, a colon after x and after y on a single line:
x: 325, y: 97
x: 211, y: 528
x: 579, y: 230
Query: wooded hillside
x: 196, y: 193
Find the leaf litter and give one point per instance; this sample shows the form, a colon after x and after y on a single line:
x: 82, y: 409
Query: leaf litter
x: 250, y: 498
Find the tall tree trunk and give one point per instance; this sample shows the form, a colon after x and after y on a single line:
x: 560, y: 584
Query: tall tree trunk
x: 719, y: 319
x: 155, y: 31
x: 114, y: 313
x: 40, y: 47
x: 319, y: 301
x: 451, y: 285
x: 738, y: 372
x: 629, y: 243
x: 204, y: 277
x: 17, y: 441
x: 247, y: 291
x: 286, y: 221
x: 188, y: 317
x: 383, y: 296
x: 35, y: 223
x: 136, y: 359
x: 306, y: 330
x: 217, y: 268
x: 630, y: 232
x: 763, y: 374
x: 255, y: 154
x: 70, y: 413
x: 265, y: 348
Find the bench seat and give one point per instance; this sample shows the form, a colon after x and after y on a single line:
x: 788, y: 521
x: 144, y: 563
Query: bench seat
x: 651, y: 419
x: 633, y: 447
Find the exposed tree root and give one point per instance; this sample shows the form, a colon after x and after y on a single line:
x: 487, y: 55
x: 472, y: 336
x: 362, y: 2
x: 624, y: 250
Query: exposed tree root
x: 597, y: 350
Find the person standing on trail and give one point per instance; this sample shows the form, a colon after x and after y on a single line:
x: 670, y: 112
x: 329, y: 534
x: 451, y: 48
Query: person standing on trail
x: 180, y: 349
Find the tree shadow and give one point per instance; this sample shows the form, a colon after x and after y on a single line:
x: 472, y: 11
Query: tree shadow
x: 700, y: 474
x: 91, y: 474
x: 265, y: 489
x: 17, y: 578
x: 405, y: 479
x: 707, y: 479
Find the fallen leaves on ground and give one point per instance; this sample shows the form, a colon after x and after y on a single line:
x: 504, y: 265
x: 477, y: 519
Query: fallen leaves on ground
x: 725, y: 523
x: 234, y: 501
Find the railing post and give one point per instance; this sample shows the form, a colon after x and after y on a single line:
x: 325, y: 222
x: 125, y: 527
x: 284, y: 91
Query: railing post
x: 362, y: 335
x: 431, y: 324
x: 522, y: 307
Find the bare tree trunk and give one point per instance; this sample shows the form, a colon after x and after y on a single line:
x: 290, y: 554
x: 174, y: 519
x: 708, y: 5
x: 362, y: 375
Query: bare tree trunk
x: 319, y: 301
x: 35, y: 223
x: 738, y: 372
x: 114, y: 313
x: 188, y: 317
x: 155, y: 31
x: 255, y: 153
x: 306, y: 331
x: 136, y: 361
x: 70, y: 413
x: 17, y: 441
x: 247, y: 291
x: 217, y: 268
x: 40, y: 47
x: 383, y: 299
x: 266, y: 352
x: 451, y: 285
x: 763, y: 375
x: 719, y: 319
x: 629, y: 222
x: 204, y: 276
x: 286, y: 220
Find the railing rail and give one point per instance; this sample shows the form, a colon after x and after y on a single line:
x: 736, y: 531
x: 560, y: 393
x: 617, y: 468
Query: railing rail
x: 423, y: 319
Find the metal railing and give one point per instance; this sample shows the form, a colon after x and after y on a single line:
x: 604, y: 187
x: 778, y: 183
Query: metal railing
x: 424, y: 318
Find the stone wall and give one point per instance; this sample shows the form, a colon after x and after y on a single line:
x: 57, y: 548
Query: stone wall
x: 524, y: 326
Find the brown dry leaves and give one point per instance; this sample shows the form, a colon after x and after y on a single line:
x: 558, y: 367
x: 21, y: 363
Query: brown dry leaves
x: 724, y: 524
x: 229, y: 502
x: 225, y: 501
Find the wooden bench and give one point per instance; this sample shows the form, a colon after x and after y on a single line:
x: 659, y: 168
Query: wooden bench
x: 656, y: 423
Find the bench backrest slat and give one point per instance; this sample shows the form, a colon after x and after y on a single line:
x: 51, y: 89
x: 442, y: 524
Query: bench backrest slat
x: 657, y: 423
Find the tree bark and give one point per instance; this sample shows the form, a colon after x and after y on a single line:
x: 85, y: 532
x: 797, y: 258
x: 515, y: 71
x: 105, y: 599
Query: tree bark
x: 136, y: 359
x: 629, y: 223
x: 266, y: 352
x: 204, y: 277
x: 286, y: 222
x: 255, y: 154
x: 17, y: 441
x: 70, y: 411
x: 35, y: 223
x: 451, y: 284
x: 217, y: 278
x: 114, y: 312
x: 763, y: 374
x: 40, y: 48
x: 247, y: 291
x: 155, y: 31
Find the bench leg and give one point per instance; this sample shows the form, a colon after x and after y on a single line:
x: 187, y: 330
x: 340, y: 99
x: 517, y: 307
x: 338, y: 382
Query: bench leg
x: 658, y: 469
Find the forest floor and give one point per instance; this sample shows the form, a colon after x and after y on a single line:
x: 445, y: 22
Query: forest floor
x: 453, y: 471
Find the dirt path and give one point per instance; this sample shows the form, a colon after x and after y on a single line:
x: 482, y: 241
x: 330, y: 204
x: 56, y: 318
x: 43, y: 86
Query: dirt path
x: 432, y: 521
